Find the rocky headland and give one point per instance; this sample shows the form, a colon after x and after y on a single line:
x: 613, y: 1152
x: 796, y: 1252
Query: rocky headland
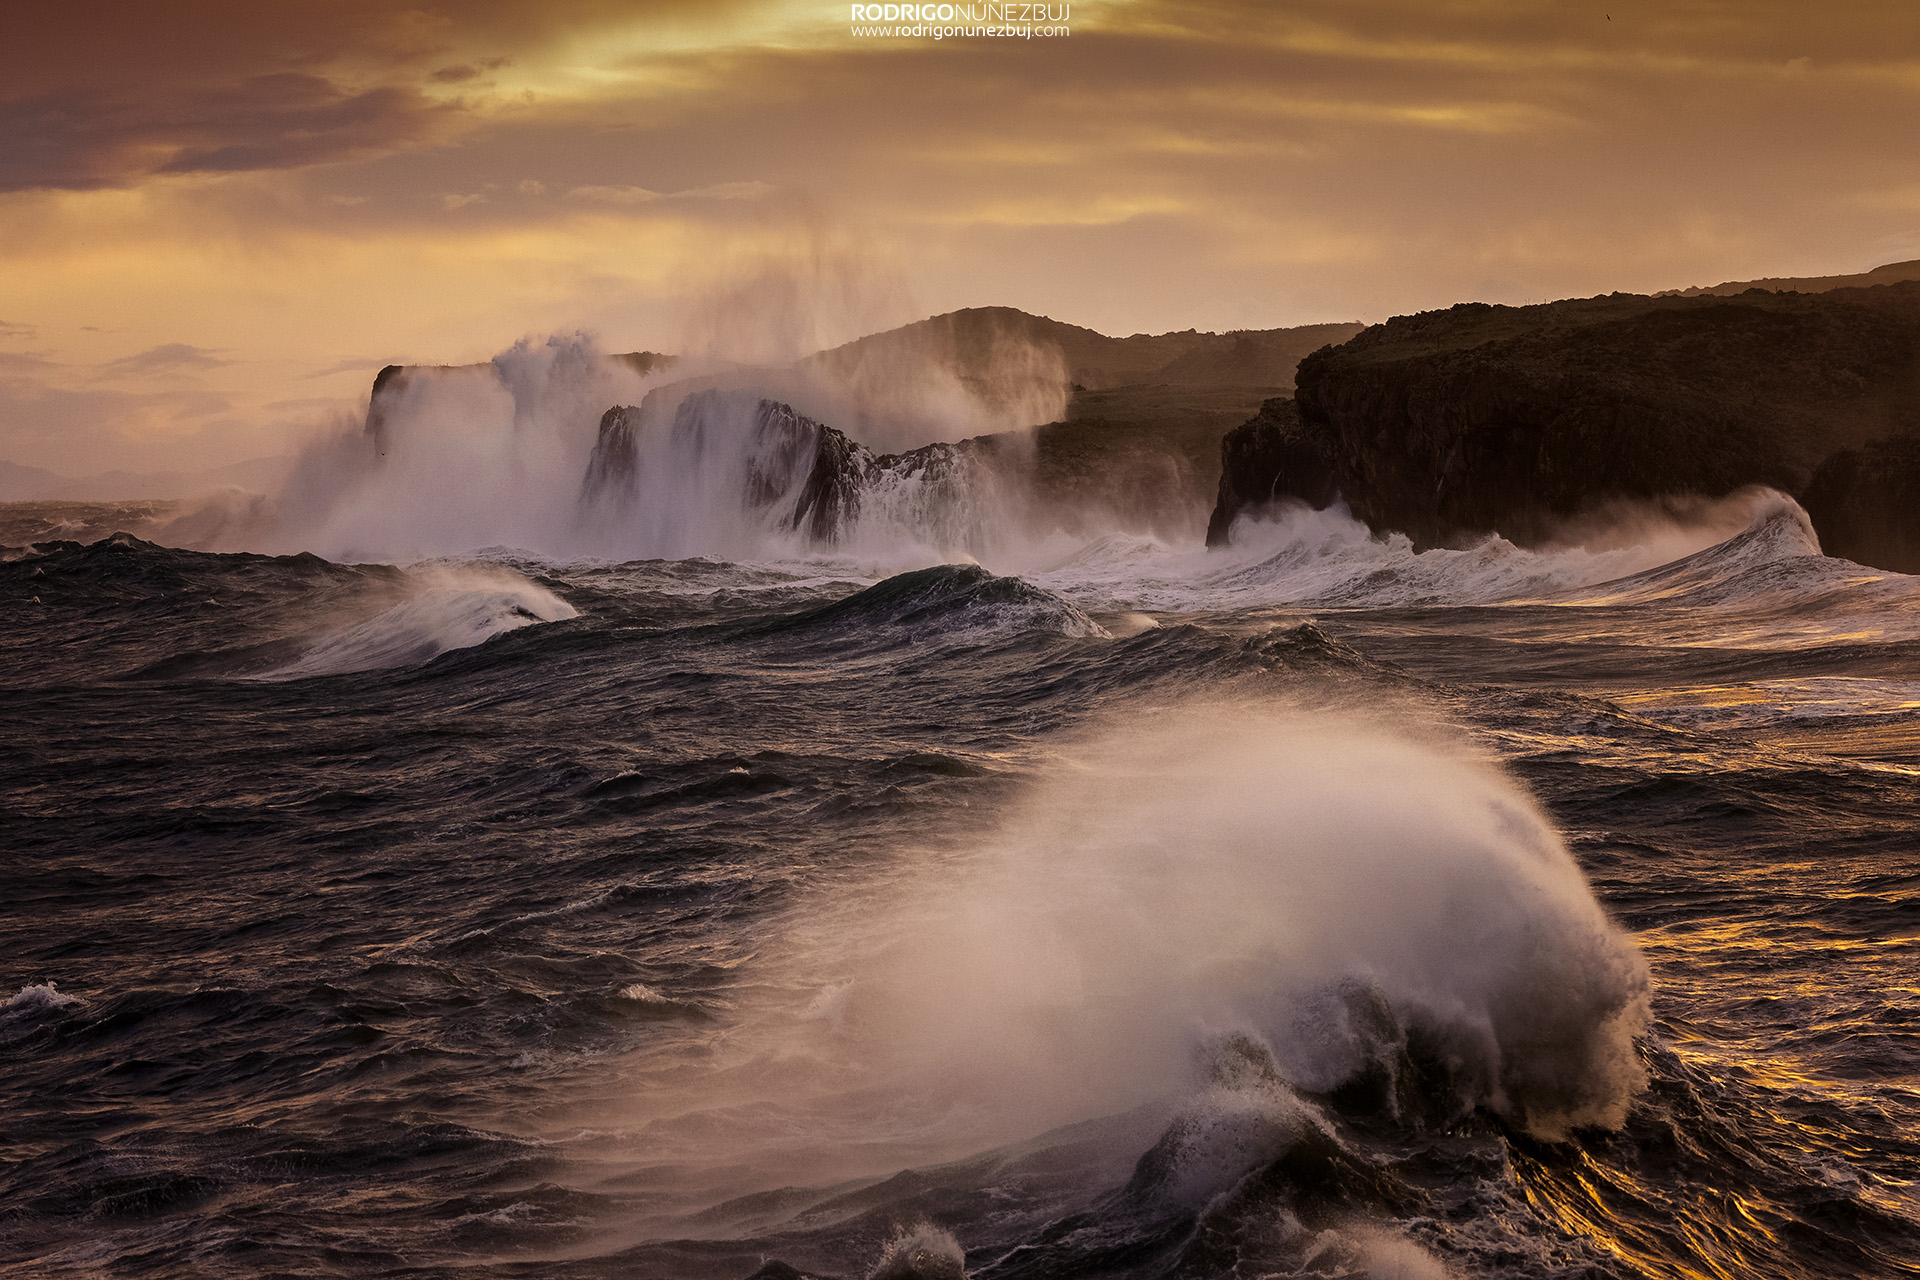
x: 1450, y: 425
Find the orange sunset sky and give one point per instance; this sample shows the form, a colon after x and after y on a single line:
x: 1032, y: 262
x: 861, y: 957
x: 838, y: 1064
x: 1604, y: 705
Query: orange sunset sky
x: 218, y: 219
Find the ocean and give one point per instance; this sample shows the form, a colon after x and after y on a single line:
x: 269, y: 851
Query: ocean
x: 1317, y: 906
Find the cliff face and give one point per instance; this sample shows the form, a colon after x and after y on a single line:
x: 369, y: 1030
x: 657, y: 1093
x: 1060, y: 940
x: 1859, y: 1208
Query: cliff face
x: 1865, y: 504
x: 803, y: 475
x: 1452, y: 424
x: 1265, y: 460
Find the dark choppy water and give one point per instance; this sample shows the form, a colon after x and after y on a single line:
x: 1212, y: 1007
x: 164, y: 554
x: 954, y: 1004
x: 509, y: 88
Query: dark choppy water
x: 1144, y: 914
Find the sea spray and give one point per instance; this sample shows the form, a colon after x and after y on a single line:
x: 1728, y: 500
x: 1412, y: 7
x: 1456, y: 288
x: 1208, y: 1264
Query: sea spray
x: 924, y: 1252
x: 465, y: 458
x: 1372, y: 912
x: 1212, y: 869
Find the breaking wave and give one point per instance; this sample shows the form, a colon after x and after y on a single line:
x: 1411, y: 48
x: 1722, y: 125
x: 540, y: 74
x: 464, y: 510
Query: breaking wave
x: 453, y: 610
x: 1303, y: 911
x: 952, y: 603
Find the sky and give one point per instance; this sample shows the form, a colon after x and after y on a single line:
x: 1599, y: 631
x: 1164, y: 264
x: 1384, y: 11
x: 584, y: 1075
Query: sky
x: 219, y: 218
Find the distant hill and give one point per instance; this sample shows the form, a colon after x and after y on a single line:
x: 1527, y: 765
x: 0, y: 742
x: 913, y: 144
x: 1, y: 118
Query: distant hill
x: 977, y: 340
x: 1892, y: 273
x: 24, y: 484
x: 35, y: 484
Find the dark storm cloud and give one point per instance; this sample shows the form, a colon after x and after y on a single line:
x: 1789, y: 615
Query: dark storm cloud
x: 88, y: 138
x: 102, y: 93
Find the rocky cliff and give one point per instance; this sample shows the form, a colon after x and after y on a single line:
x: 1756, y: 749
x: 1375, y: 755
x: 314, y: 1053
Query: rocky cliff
x: 1452, y: 424
x: 1265, y: 460
x: 1865, y: 504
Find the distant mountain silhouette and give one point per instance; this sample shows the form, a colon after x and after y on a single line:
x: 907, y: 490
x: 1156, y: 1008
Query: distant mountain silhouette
x: 1892, y: 273
x: 36, y: 484
x: 974, y: 341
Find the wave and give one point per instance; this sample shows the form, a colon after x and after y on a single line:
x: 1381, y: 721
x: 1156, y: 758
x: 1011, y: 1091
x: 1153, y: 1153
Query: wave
x: 33, y: 1007
x: 1378, y: 924
x: 165, y: 598
x: 457, y: 610
x: 560, y: 453
x: 730, y: 472
x: 1328, y: 559
x: 951, y: 603
x: 1761, y: 584
x: 127, y: 570
x: 1777, y: 556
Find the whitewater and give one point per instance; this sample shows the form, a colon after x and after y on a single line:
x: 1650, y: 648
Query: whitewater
x: 576, y: 831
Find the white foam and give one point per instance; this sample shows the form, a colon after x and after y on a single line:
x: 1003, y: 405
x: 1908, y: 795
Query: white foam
x: 31, y: 1005
x: 1300, y: 557
x: 452, y: 608
x: 37, y: 997
x: 924, y: 1252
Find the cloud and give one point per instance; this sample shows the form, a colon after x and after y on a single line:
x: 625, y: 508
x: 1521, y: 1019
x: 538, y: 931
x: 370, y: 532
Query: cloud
x: 472, y: 71
x: 347, y: 366
x: 97, y: 136
x: 167, y: 358
x: 728, y: 191
x: 276, y: 179
x: 614, y: 195
x: 13, y: 332
x: 308, y: 405
x: 640, y: 195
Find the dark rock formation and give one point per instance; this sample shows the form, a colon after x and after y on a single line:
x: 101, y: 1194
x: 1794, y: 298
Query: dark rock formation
x: 787, y: 445
x: 808, y: 474
x: 1865, y: 504
x: 1264, y: 461
x: 1450, y: 425
x: 616, y: 454
x: 392, y: 381
x: 386, y: 389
